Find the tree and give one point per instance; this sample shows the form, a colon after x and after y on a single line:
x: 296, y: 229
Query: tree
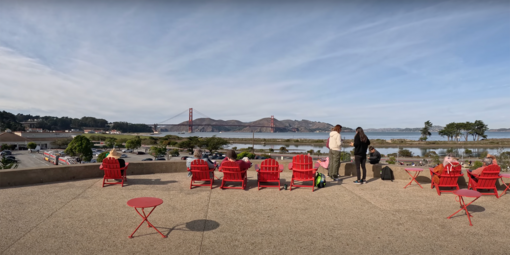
x: 465, y: 128
x: 80, y: 146
x: 134, y: 143
x: 283, y: 150
x: 214, y: 143
x: 110, y: 142
x: 451, y: 131
x: 32, y: 145
x: 478, y: 130
x: 156, y: 151
x: 186, y: 144
x: 4, y: 147
x: 310, y: 152
x: 425, y: 131
x: 270, y: 150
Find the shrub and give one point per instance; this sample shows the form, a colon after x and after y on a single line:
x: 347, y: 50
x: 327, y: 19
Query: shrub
x: 483, y: 154
x: 271, y: 150
x: 476, y: 165
x: 391, y: 160
x: 31, y: 145
x: 234, y: 148
x: 245, y: 154
x: 265, y: 156
x: 174, y: 153
x: 345, y: 157
x: 392, y: 155
x: 405, y: 153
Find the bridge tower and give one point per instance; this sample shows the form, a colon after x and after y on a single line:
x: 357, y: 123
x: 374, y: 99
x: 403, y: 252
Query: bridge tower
x: 272, y: 123
x: 155, y: 128
x: 190, y: 121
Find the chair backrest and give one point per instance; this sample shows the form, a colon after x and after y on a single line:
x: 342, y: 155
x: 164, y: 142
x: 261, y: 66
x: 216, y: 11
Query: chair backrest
x: 111, y: 168
x: 450, y: 174
x: 304, y: 165
x: 269, y: 169
x: 489, y: 176
x: 270, y: 165
x: 302, y: 162
x: 199, y: 169
x: 232, y: 171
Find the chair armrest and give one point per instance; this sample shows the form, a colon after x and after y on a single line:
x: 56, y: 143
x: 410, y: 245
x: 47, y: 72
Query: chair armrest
x: 290, y: 166
x: 101, y: 167
x: 316, y: 166
x: 257, y: 167
x: 281, y: 168
x: 188, y: 169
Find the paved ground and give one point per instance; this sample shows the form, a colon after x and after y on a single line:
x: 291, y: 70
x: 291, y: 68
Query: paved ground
x: 380, y: 217
x: 30, y: 160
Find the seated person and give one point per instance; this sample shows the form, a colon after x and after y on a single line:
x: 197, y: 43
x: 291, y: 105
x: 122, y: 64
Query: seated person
x: 232, y: 157
x: 438, y: 170
x: 114, y: 154
x: 198, y: 155
x: 489, y: 160
x: 375, y: 156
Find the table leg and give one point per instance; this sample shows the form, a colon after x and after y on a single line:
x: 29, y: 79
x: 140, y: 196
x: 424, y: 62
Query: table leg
x: 144, y: 216
x: 413, y: 178
x: 507, y: 187
x: 464, y: 207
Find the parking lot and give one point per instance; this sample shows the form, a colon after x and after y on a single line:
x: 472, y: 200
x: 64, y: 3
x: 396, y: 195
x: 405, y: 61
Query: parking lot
x: 30, y: 160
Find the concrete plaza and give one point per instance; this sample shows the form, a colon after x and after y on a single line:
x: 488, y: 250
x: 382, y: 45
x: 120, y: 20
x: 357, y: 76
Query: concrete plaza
x: 381, y: 217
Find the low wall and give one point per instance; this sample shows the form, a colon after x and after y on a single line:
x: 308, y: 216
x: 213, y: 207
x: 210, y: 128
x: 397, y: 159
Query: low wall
x: 18, y: 177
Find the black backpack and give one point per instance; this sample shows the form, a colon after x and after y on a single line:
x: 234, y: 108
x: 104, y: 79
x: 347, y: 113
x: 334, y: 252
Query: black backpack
x: 387, y: 174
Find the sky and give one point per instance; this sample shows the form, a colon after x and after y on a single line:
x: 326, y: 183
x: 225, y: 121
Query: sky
x: 373, y: 64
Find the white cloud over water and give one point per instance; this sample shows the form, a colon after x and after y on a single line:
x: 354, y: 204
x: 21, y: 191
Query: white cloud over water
x: 370, y: 64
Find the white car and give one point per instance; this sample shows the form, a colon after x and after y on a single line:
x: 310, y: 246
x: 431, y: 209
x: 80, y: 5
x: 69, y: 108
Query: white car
x: 123, y: 156
x: 127, y: 151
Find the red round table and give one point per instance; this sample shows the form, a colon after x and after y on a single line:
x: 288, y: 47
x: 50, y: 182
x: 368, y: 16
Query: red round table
x: 145, y: 202
x: 501, y: 176
x: 461, y: 193
x: 417, y: 172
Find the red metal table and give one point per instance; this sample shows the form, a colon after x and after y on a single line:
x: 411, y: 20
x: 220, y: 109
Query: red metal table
x: 501, y: 176
x: 461, y: 193
x: 145, y: 202
x: 417, y: 172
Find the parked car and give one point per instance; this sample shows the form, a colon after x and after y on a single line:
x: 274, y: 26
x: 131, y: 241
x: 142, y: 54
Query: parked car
x: 10, y: 157
x: 140, y: 153
x: 160, y: 158
x: 185, y: 157
x: 147, y: 159
x: 123, y: 156
x: 127, y: 151
x: 5, y: 153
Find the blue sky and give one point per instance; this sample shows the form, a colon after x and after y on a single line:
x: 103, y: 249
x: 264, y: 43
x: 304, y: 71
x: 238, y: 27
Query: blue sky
x: 357, y: 63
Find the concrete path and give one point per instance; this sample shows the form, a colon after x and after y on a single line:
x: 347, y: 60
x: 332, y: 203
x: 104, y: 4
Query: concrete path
x: 380, y: 217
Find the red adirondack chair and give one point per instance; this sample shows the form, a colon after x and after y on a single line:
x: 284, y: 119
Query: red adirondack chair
x: 447, y: 179
x: 486, y: 180
x: 200, y: 172
x: 112, y: 170
x: 232, y: 173
x: 303, y: 170
x: 269, y: 171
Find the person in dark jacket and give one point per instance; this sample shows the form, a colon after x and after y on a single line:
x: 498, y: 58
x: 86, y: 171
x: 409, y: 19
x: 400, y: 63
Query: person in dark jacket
x: 360, y: 144
x: 375, y: 156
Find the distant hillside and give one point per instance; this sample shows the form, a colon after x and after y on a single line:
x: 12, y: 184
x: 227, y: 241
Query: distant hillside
x: 433, y: 129
x: 500, y: 130
x: 200, y: 125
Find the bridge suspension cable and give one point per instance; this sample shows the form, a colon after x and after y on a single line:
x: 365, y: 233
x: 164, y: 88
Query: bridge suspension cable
x: 200, y: 113
x: 173, y: 117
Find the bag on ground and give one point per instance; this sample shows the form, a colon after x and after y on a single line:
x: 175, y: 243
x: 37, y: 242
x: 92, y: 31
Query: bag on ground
x: 320, y: 180
x: 387, y: 174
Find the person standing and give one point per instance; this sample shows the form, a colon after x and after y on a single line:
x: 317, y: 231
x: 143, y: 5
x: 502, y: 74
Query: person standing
x: 360, y: 144
x: 335, y: 143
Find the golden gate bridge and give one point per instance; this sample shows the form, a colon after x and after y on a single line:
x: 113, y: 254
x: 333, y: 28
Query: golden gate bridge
x: 190, y: 122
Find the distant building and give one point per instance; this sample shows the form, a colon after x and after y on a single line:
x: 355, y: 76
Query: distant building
x: 89, y: 131
x: 45, y: 139
x: 114, y: 132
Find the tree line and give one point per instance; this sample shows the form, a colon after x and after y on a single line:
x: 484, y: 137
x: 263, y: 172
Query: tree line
x: 13, y: 122
x: 454, y: 131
